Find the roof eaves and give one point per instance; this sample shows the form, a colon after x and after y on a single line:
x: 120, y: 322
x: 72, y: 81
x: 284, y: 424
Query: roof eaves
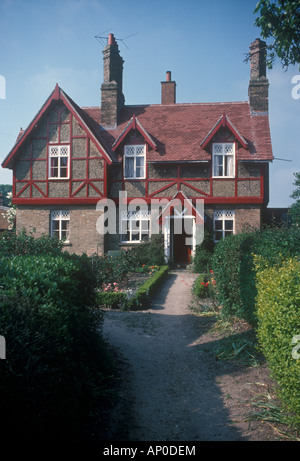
x: 131, y: 125
x: 223, y: 121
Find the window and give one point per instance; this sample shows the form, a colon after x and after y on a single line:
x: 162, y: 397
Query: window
x: 135, y: 226
x: 134, y: 162
x: 59, y: 162
x: 223, y: 160
x: 60, y: 225
x: 223, y: 224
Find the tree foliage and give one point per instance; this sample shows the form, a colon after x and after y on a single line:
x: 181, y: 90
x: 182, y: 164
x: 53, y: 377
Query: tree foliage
x: 295, y: 207
x: 4, y: 190
x: 280, y: 21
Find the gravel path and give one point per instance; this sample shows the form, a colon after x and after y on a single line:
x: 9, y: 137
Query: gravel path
x: 173, y: 389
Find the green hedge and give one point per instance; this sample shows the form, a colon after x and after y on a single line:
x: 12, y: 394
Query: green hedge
x: 111, y: 300
x: 56, y: 366
x: 234, y: 270
x: 278, y: 311
x: 147, y: 289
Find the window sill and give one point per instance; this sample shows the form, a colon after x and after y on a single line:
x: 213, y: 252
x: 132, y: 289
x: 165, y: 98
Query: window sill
x: 223, y: 177
x: 134, y: 179
x: 128, y: 244
x: 58, y: 179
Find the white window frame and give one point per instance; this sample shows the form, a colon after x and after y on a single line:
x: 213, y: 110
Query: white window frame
x: 60, y: 152
x: 222, y: 149
x: 223, y: 217
x: 60, y: 217
x: 132, y: 218
x: 135, y: 151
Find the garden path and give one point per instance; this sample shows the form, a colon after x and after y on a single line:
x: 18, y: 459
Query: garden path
x: 173, y: 389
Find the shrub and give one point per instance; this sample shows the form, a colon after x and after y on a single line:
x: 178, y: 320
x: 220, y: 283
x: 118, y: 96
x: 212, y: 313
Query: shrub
x: 111, y: 269
x: 23, y: 243
x: 56, y: 364
x: 148, y: 253
x: 234, y: 269
x: 278, y: 311
x: 203, y: 254
x: 199, y: 287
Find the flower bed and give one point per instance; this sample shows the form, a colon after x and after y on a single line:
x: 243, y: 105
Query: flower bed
x: 134, y: 291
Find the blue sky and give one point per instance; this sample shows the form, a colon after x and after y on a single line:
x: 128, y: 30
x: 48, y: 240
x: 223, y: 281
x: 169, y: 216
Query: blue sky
x: 202, y: 42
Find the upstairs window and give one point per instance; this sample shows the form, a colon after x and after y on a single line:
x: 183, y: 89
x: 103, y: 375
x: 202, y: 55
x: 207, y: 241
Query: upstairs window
x: 224, y: 221
x: 59, y: 162
x: 223, y: 160
x: 134, y: 162
x: 60, y: 225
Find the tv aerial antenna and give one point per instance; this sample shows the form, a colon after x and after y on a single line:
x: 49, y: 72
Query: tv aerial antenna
x: 103, y: 38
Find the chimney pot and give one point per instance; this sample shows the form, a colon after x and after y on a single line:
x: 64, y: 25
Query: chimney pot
x: 168, y: 90
x: 111, y: 39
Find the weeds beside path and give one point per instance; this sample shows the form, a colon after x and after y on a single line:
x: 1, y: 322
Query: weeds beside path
x: 172, y: 386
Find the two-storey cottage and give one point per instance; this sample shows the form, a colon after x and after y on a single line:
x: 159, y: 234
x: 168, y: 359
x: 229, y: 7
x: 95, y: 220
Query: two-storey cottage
x: 71, y: 157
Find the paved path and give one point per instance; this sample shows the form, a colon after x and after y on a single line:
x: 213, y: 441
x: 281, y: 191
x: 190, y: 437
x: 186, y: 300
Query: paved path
x: 171, y: 391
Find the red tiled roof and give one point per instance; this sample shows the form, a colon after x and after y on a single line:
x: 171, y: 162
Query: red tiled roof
x: 179, y: 129
x: 176, y: 131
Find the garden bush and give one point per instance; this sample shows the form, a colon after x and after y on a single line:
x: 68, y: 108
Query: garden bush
x: 23, y: 243
x: 203, y: 254
x: 278, y: 311
x: 148, y: 253
x: 233, y: 266
x: 56, y: 364
x: 199, y: 287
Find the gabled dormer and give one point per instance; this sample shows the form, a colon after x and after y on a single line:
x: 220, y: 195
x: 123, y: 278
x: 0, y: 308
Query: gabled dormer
x: 223, y: 141
x: 132, y: 145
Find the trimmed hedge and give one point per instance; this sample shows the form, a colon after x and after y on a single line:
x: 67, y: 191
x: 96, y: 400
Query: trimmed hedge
x: 147, y: 289
x: 234, y: 270
x: 278, y: 311
x: 111, y: 300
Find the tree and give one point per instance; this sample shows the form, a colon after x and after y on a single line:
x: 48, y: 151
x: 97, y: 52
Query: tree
x: 4, y: 190
x: 280, y: 20
x: 295, y: 207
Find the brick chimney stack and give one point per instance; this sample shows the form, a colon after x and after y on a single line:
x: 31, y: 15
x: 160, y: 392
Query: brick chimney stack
x: 168, y: 90
x: 112, y: 98
x: 258, y: 90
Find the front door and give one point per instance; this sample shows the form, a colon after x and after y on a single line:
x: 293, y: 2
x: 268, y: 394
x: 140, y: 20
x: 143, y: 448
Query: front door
x: 181, y: 251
